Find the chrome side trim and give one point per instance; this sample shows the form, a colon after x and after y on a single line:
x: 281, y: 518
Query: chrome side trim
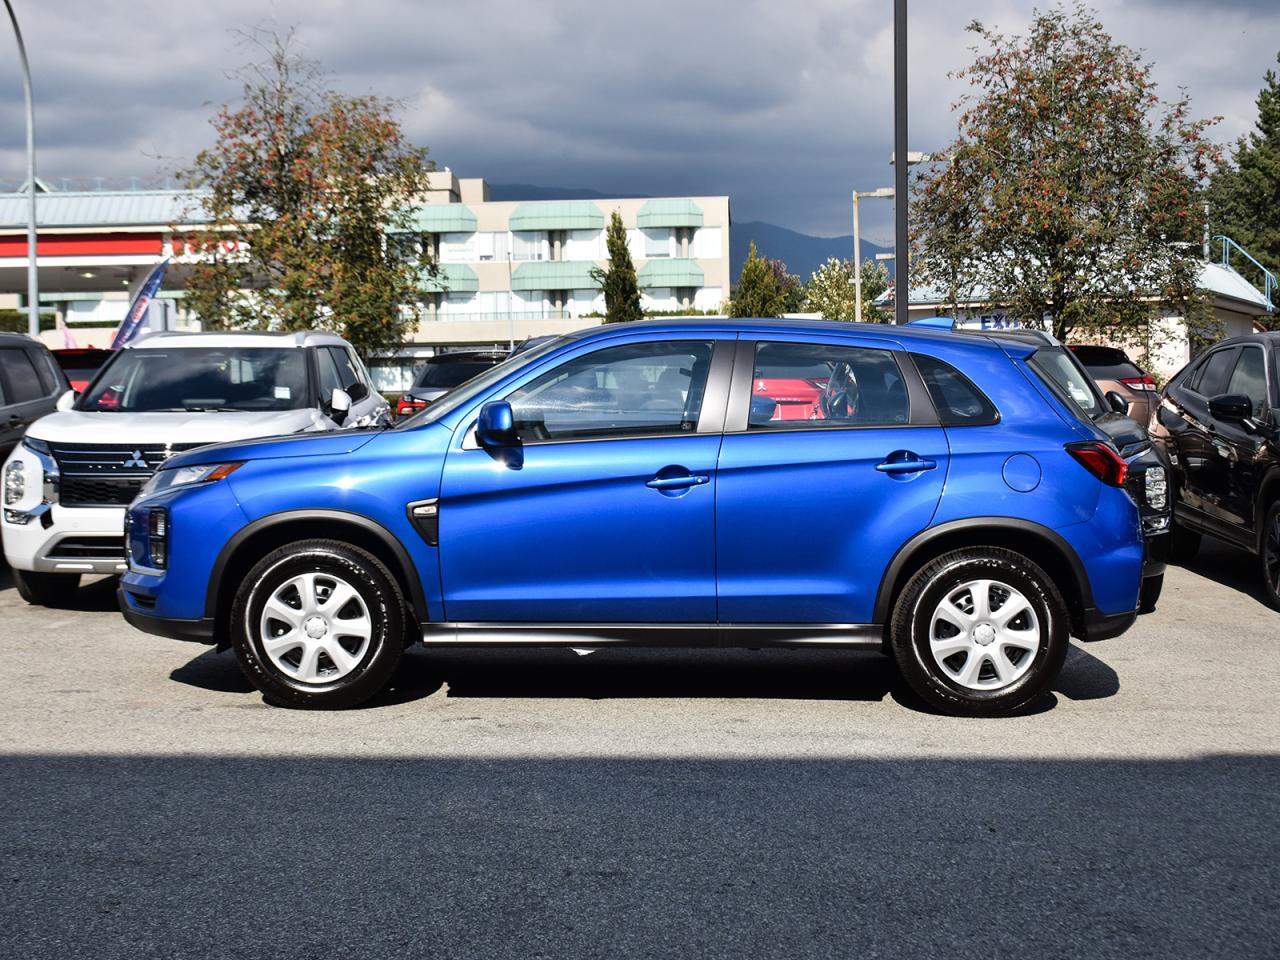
x: 844, y: 635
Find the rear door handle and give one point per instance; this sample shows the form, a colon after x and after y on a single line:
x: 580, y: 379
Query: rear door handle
x: 675, y: 483
x: 912, y: 465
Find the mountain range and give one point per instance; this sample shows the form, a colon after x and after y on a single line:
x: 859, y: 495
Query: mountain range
x: 803, y: 253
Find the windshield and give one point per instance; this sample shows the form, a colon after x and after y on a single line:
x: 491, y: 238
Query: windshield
x: 449, y: 374
x: 1059, y: 370
x: 451, y: 401
x: 201, y: 378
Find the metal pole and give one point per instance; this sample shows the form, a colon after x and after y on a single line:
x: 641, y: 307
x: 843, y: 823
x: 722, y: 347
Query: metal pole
x: 901, y: 257
x: 857, y: 263
x: 33, y: 282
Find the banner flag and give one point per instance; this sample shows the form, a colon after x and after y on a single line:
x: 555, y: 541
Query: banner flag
x: 132, y: 322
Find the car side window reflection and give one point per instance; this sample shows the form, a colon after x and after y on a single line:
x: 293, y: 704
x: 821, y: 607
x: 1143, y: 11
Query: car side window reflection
x: 635, y: 389
x: 1249, y: 378
x: 825, y: 385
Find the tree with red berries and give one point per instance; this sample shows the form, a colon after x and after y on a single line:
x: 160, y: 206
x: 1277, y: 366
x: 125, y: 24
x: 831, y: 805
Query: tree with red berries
x: 1072, y: 193
x: 311, y: 185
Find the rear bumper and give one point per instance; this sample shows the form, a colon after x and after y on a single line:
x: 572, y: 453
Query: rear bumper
x: 191, y: 631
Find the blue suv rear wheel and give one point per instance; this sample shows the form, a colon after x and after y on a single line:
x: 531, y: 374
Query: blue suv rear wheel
x: 318, y: 624
x: 980, y: 632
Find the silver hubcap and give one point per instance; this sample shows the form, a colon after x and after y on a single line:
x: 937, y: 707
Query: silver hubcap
x: 315, y: 628
x: 984, y: 635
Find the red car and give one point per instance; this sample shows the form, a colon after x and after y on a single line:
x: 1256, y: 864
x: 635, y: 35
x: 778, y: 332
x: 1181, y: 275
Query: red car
x: 796, y: 392
x: 81, y: 365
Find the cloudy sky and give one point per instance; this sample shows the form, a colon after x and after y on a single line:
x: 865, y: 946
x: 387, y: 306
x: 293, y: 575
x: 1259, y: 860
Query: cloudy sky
x: 785, y: 105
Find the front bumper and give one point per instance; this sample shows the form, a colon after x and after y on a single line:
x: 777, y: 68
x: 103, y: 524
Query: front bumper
x: 192, y: 631
x: 60, y: 539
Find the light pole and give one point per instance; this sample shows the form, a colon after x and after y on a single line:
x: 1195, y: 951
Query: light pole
x: 857, y: 247
x: 900, y: 169
x: 33, y: 283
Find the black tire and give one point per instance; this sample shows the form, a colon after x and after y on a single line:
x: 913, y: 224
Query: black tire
x: 376, y: 660
x: 46, y: 589
x: 911, y: 627
x: 1269, y: 554
x: 1150, y: 593
x: 1184, y: 543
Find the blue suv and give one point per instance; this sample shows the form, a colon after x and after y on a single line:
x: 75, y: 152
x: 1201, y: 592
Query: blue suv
x: 942, y: 496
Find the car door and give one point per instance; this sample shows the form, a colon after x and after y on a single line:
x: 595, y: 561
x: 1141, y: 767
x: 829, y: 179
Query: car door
x: 1201, y: 454
x: 606, y: 514
x: 25, y: 397
x: 809, y: 512
x: 1237, y: 445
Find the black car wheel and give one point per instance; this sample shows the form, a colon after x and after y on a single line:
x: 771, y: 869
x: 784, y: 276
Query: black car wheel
x: 1150, y: 594
x: 980, y: 632
x: 1270, y: 554
x: 46, y: 589
x: 318, y: 624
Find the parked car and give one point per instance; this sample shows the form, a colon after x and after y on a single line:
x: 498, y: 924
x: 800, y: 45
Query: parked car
x: 1219, y: 420
x: 442, y: 373
x: 622, y: 485
x: 81, y: 364
x: 67, y: 484
x: 1113, y: 371
x: 30, y: 384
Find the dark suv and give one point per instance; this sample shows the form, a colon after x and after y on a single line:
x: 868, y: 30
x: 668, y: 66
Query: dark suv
x: 30, y: 384
x: 1218, y: 421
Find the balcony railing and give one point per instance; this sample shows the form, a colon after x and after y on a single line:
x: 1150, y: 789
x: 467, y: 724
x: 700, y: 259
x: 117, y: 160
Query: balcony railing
x: 501, y: 317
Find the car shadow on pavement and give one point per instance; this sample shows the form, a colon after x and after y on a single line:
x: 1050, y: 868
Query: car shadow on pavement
x: 653, y: 674
x: 1230, y: 567
x: 497, y: 857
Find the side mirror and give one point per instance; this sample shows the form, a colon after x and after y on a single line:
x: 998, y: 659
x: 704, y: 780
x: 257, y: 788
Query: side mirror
x: 762, y: 409
x: 67, y: 401
x: 497, y: 426
x: 339, y: 405
x: 1231, y: 407
x: 1118, y: 403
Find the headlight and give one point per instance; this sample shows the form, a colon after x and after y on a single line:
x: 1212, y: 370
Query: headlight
x: 182, y: 476
x: 15, y: 482
x: 1156, y: 488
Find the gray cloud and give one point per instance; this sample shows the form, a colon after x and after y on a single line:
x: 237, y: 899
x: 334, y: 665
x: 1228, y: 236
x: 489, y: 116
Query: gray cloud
x: 785, y: 107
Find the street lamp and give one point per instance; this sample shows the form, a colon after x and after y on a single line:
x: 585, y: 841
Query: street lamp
x: 33, y: 283
x: 857, y: 246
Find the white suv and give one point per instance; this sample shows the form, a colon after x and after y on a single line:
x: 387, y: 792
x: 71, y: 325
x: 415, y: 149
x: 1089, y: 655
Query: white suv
x: 67, y: 484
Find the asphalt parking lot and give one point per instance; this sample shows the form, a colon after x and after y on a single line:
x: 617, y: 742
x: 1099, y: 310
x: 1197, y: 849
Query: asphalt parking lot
x: 634, y: 803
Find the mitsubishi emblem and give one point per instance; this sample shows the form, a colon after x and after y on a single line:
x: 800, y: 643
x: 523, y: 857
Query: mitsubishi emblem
x: 135, y: 460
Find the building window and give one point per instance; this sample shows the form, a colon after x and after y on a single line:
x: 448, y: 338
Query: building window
x: 457, y: 248
x: 706, y: 243
x: 529, y: 245
x: 584, y: 245
x: 658, y: 243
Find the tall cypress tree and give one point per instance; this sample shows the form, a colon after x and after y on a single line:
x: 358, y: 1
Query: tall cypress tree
x: 1245, y: 195
x: 621, y: 289
x: 758, y: 293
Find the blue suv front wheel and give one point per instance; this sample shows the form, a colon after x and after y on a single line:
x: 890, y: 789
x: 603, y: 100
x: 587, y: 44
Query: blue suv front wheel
x: 318, y: 624
x: 980, y: 632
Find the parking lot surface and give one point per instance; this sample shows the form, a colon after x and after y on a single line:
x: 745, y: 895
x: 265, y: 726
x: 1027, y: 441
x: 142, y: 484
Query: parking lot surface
x: 643, y: 803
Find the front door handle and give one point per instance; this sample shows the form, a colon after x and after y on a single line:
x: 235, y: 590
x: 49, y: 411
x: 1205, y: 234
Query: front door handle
x: 676, y: 483
x: 16, y: 423
x: 905, y: 462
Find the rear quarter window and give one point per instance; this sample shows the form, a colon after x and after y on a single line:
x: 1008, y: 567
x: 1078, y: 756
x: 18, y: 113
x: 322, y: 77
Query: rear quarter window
x: 959, y: 403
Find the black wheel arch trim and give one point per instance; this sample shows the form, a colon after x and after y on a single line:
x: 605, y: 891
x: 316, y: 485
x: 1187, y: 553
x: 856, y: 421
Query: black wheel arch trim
x: 902, y: 559
x: 408, y: 571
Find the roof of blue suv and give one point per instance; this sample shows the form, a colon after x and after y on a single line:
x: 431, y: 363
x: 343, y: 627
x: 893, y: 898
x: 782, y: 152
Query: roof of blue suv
x: 909, y: 333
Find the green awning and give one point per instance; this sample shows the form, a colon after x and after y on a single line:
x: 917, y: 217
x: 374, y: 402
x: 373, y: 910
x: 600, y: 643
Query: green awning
x: 453, y: 277
x: 554, y: 275
x: 557, y: 215
x: 53, y: 297
x: 669, y: 213
x: 671, y: 273
x: 444, y: 218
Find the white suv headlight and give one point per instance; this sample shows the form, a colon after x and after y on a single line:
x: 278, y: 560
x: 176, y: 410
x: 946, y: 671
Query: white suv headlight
x: 1156, y: 488
x: 15, y: 483
x: 182, y: 476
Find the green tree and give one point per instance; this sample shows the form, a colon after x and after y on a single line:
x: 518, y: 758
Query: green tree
x: 1245, y: 195
x: 1069, y: 192
x: 621, y: 289
x: 830, y: 290
x: 789, y: 285
x: 310, y: 183
x: 758, y: 293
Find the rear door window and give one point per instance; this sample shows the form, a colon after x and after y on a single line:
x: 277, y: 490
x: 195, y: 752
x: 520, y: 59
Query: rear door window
x: 826, y: 385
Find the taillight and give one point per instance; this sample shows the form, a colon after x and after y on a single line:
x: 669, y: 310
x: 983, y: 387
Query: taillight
x: 1100, y: 460
x: 1144, y: 382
